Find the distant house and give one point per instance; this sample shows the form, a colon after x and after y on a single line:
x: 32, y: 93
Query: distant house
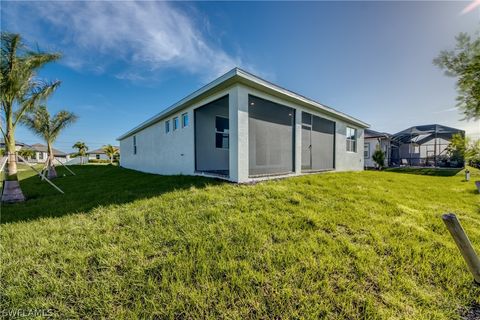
x: 418, y: 146
x: 373, y: 140
x: 18, y: 145
x: 424, y: 146
x: 41, y: 154
x: 98, y: 154
x: 242, y: 128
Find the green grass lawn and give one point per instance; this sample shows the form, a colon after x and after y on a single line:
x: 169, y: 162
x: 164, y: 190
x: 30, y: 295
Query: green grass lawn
x: 123, y: 244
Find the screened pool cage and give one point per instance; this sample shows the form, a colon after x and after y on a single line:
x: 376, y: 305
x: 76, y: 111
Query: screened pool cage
x: 424, y: 146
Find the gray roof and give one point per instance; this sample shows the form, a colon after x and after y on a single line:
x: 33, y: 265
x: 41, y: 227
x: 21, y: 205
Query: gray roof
x: 43, y: 148
x: 426, y: 132
x: 237, y: 75
x: 375, y: 134
x: 17, y: 143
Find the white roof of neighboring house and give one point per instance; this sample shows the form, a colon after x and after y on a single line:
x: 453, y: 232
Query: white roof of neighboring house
x: 237, y: 75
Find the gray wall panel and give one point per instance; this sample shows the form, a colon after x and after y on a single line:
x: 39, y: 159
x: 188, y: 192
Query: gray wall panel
x: 208, y: 157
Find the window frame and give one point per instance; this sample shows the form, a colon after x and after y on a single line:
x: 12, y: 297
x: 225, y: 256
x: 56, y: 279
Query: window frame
x: 227, y: 133
x: 366, y: 148
x: 167, y: 126
x: 176, y: 123
x: 350, y: 141
x: 134, y: 144
x: 185, y: 116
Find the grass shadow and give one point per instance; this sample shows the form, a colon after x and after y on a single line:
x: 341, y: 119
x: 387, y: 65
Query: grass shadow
x: 440, y: 172
x: 92, y: 186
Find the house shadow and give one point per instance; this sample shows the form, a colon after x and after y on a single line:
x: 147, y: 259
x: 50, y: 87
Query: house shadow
x: 439, y: 172
x: 93, y: 186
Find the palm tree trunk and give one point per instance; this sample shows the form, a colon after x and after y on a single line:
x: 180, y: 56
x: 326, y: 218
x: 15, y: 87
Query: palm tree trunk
x: 11, y: 186
x: 52, y: 173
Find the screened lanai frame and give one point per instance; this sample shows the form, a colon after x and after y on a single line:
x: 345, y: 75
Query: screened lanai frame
x: 423, y: 146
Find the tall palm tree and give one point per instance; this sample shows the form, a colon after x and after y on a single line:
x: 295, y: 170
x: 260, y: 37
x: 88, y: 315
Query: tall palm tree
x: 48, y: 127
x: 82, y: 149
x: 110, y: 151
x: 20, y: 91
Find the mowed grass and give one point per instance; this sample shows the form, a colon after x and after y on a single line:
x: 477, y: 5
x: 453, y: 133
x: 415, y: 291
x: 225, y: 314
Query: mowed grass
x: 123, y: 245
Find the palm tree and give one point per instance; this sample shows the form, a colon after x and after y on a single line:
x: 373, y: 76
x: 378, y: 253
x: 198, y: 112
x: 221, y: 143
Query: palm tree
x: 110, y: 151
x: 48, y: 128
x: 82, y: 149
x: 20, y: 91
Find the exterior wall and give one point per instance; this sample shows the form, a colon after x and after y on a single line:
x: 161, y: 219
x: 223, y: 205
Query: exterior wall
x: 173, y: 153
x: 166, y: 153
x: 45, y: 157
x: 372, y: 144
x: 344, y: 160
x: 93, y: 156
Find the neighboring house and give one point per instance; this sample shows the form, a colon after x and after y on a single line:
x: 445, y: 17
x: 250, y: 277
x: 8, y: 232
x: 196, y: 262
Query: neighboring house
x: 18, y: 145
x: 98, y: 154
x: 242, y: 128
x: 424, y: 146
x: 373, y: 140
x: 41, y: 154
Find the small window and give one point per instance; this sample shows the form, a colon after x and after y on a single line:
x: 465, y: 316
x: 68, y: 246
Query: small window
x: 184, y: 120
x: 134, y: 145
x: 351, y: 139
x: 167, y: 126
x: 40, y: 155
x: 366, y: 150
x: 221, y: 133
x: 97, y: 156
x: 175, y: 123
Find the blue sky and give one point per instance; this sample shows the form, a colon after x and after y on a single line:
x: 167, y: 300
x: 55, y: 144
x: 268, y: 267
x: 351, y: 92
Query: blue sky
x: 126, y: 61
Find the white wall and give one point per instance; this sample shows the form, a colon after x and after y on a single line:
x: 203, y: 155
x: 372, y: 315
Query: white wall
x: 165, y: 153
x: 93, y: 156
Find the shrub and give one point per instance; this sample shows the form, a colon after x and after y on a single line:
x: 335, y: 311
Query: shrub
x: 379, y: 158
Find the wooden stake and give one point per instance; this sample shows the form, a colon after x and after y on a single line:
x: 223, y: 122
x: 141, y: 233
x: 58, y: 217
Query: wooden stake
x: 463, y: 244
x: 42, y: 175
x: 65, y: 166
x: 3, y: 162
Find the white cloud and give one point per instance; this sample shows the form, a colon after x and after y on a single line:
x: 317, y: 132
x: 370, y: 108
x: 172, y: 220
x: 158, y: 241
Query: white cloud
x: 147, y: 36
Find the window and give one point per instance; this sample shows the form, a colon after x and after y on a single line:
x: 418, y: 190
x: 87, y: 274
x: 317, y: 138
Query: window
x: 366, y: 150
x: 184, y: 120
x: 221, y: 133
x: 167, y: 126
x: 97, y: 156
x: 134, y: 144
x: 351, y: 139
x: 40, y: 155
x: 175, y: 123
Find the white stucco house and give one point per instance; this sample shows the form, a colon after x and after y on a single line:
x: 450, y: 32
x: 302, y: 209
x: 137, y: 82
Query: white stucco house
x: 41, y: 154
x: 242, y: 128
x: 372, y: 141
x: 98, y: 154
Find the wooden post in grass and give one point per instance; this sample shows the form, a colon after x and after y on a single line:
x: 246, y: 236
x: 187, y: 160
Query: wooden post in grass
x: 42, y: 175
x: 463, y: 244
x: 65, y: 166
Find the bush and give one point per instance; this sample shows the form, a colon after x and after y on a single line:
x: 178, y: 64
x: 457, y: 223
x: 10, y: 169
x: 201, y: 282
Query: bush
x: 379, y: 158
